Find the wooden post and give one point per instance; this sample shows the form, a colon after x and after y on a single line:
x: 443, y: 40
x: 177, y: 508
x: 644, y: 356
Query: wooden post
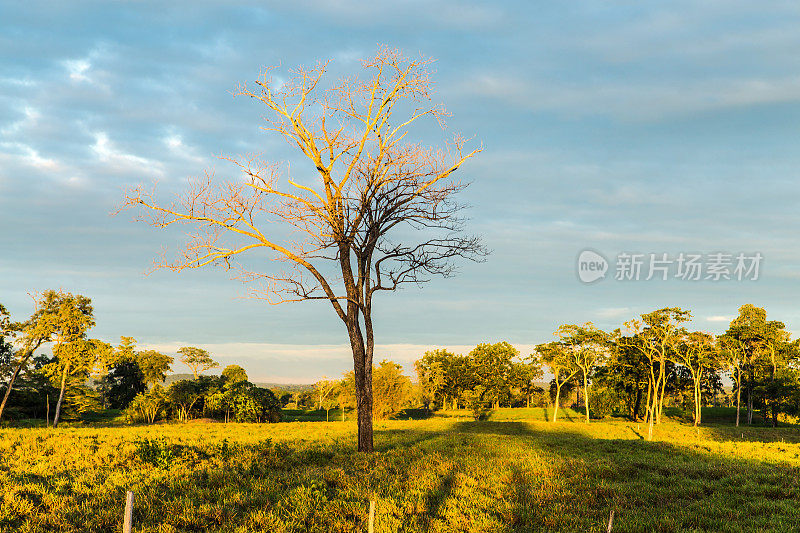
x: 610, y: 521
x: 128, y: 524
x: 371, y: 526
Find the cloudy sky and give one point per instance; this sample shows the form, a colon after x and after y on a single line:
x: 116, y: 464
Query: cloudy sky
x: 638, y: 127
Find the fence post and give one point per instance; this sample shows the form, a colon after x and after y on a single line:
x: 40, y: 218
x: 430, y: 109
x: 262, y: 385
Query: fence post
x: 371, y: 526
x: 128, y: 523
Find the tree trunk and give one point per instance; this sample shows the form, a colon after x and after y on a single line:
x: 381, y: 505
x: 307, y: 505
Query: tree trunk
x: 555, y: 404
x: 57, y: 416
x: 586, y: 396
x: 738, y: 395
x: 749, y: 401
x: 362, y: 366
x: 663, y: 379
x: 11, y: 381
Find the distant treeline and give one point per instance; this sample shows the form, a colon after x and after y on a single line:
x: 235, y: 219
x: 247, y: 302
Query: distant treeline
x: 635, y: 370
x: 648, y: 363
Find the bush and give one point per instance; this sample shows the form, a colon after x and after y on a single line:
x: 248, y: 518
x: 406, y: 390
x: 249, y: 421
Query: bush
x: 603, y: 402
x: 147, y: 406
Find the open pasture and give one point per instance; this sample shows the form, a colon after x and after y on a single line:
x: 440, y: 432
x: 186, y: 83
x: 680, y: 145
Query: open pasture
x: 438, y: 474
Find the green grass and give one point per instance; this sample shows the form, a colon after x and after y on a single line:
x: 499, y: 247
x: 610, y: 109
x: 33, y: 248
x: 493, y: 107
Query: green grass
x: 438, y: 474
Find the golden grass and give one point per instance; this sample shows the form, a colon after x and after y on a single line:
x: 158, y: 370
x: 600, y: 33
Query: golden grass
x: 440, y: 474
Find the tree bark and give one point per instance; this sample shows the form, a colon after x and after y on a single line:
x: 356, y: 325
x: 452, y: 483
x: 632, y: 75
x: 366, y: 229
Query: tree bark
x: 57, y: 416
x: 555, y: 404
x: 11, y: 381
x: 738, y: 394
x: 586, y: 396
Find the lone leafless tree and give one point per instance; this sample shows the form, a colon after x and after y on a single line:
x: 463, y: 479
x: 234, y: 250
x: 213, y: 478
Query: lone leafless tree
x: 371, y: 181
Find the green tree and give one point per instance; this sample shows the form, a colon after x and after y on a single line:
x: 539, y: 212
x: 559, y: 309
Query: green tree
x: 148, y: 405
x: 525, y: 375
x: 153, y: 365
x: 197, y: 359
x: 184, y: 394
x: 444, y: 376
x: 494, y: 369
x: 654, y: 336
x: 588, y: 347
x: 697, y: 354
x: 234, y: 374
x: 123, y: 383
x: 74, y: 354
x: 733, y: 354
x: 325, y: 395
x: 627, y: 372
x: 392, y: 389
x: 47, y: 320
x: 346, y: 392
x: 475, y: 400
x: 560, y: 362
x: 76, y: 358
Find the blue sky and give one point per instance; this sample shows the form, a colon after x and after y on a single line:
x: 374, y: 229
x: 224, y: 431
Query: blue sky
x: 616, y: 126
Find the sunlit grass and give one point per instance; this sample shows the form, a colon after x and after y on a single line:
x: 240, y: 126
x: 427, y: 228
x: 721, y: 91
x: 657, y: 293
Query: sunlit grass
x: 441, y: 474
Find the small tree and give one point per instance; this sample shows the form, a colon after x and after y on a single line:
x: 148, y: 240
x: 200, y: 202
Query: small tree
x: 588, y: 349
x: 234, y: 374
x: 474, y: 401
x: 493, y: 366
x: 558, y: 359
x: 184, y: 394
x: 324, y: 394
x: 696, y: 352
x: 654, y: 336
x: 392, y: 389
x: 346, y: 393
x: 197, y: 359
x: 525, y: 375
x: 149, y: 405
x: 78, y: 358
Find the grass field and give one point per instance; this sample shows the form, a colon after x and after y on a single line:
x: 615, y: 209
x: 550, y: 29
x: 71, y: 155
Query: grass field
x: 443, y: 473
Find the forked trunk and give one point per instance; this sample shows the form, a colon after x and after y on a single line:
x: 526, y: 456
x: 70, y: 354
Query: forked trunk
x: 362, y: 366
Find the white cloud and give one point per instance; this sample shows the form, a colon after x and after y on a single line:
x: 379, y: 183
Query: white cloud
x: 718, y: 318
x: 629, y: 100
x: 174, y: 142
x: 107, y: 152
x: 78, y: 69
x: 28, y: 156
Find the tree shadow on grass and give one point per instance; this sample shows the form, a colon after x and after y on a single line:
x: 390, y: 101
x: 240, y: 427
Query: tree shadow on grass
x: 651, y: 486
x: 440, y: 476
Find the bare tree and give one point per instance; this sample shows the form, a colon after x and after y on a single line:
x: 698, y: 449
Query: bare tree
x: 370, y: 181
